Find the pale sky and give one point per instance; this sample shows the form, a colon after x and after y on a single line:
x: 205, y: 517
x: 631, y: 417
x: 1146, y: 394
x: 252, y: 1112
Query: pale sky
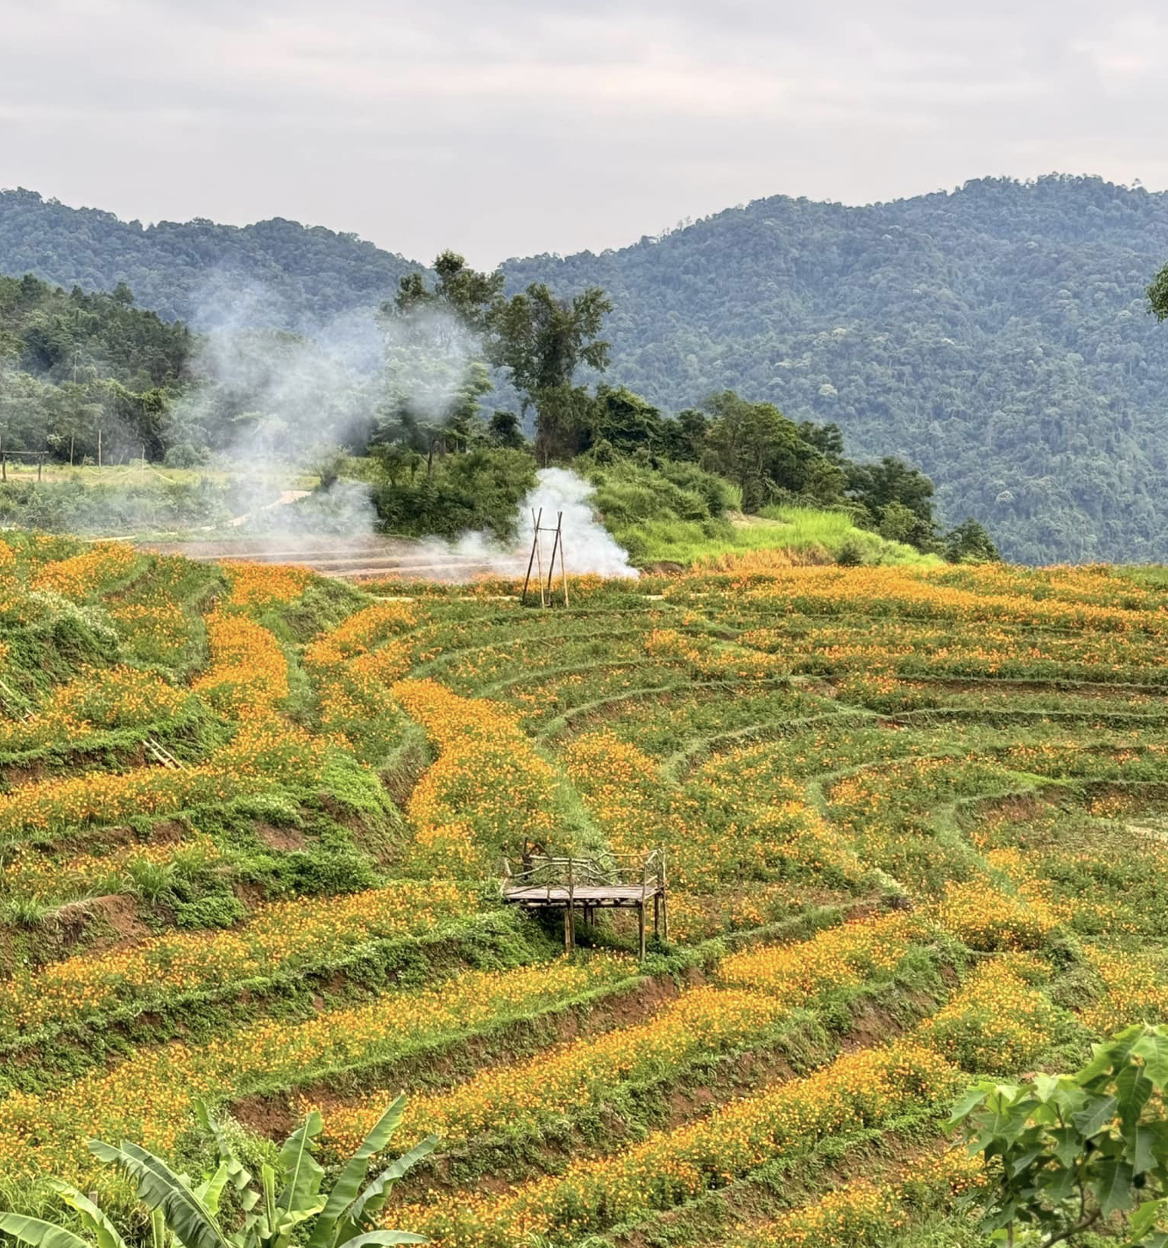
x: 505, y: 127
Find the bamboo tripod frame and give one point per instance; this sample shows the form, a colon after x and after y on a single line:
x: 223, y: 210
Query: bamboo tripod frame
x: 546, y: 591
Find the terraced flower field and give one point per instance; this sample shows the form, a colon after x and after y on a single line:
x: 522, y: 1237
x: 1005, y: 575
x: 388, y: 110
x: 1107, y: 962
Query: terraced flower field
x: 252, y: 821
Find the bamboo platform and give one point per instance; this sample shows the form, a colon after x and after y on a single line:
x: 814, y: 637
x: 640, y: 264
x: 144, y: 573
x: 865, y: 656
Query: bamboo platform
x: 586, y: 886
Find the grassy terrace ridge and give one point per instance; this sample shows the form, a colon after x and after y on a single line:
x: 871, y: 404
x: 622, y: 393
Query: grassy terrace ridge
x: 916, y: 826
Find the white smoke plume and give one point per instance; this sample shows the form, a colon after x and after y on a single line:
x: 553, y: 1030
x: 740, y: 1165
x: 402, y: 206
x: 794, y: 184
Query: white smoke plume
x: 285, y: 404
x: 587, y: 545
x: 290, y: 401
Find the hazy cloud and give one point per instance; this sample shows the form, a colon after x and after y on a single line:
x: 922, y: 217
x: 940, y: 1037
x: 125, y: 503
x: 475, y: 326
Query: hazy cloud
x: 507, y: 126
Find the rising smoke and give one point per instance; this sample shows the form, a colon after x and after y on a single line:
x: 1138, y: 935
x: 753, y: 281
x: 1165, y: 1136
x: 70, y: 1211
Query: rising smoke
x: 283, y: 404
x: 587, y: 545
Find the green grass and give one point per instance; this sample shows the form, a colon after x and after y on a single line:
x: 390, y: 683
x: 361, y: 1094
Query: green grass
x: 815, y: 536
x: 806, y: 528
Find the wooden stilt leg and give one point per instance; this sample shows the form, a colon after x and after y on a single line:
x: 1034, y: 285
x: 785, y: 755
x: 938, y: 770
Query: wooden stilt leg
x: 567, y: 929
x: 641, y: 915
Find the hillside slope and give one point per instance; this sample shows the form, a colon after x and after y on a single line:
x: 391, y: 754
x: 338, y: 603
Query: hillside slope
x: 996, y: 336
x: 291, y: 276
x: 914, y: 822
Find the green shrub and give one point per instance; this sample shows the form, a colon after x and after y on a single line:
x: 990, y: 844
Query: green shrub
x: 221, y: 909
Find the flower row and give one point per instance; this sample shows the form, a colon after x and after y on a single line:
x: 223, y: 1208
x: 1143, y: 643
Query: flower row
x: 148, y: 1097
x: 261, y: 756
x: 354, y: 664
x: 101, y: 698
x: 764, y: 985
x: 862, y: 1089
x: 260, y: 584
x: 277, y: 939
x: 248, y: 676
x: 839, y: 957
x: 80, y: 576
x: 489, y: 792
x: 865, y: 1213
x: 34, y: 875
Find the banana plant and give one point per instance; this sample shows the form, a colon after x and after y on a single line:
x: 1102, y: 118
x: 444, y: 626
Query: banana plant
x: 287, y: 1196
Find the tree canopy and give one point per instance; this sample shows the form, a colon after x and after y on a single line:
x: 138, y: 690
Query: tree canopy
x: 997, y: 336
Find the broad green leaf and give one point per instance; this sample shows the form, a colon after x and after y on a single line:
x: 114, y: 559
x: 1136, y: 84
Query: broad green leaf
x: 211, y: 1192
x: 239, y: 1175
x: 1142, y: 1150
x: 1024, y: 1160
x: 1152, y: 1046
x: 1045, y: 1086
x: 1095, y: 1115
x: 384, y: 1237
x: 372, y: 1199
x: 349, y: 1181
x: 972, y: 1098
x: 1147, y: 1215
x: 288, y: 1220
x: 268, y: 1180
x: 1058, y: 1185
x: 160, y: 1188
x: 1112, y: 1186
x: 1067, y: 1145
x: 38, y: 1233
x: 1068, y: 1096
x: 92, y: 1218
x: 1133, y: 1090
x: 299, y: 1169
x: 1101, y: 1062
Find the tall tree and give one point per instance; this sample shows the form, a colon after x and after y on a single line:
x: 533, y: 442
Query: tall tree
x: 460, y: 288
x: 542, y: 340
x: 758, y: 448
x: 624, y: 420
x: 435, y: 362
x: 1158, y: 294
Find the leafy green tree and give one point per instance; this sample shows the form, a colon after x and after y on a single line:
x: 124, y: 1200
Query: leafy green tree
x: 435, y: 363
x: 1073, y: 1154
x: 288, y: 1202
x: 684, y: 437
x: 625, y: 420
x: 891, y: 480
x: 970, y: 543
x: 478, y: 491
x: 1158, y: 294
x: 470, y: 294
x: 756, y: 447
x: 542, y: 341
x: 897, y: 522
x: 505, y: 430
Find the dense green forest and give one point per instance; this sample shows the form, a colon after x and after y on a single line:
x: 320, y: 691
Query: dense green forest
x: 82, y: 373
x: 72, y: 364
x: 997, y: 336
x: 274, y: 274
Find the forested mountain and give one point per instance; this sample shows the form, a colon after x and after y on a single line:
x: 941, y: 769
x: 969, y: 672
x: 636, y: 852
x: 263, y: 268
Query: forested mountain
x: 72, y: 363
x: 996, y: 336
x: 275, y: 274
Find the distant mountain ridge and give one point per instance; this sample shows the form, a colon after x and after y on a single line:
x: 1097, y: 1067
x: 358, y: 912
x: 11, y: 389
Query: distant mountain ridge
x: 289, y: 275
x: 996, y: 335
